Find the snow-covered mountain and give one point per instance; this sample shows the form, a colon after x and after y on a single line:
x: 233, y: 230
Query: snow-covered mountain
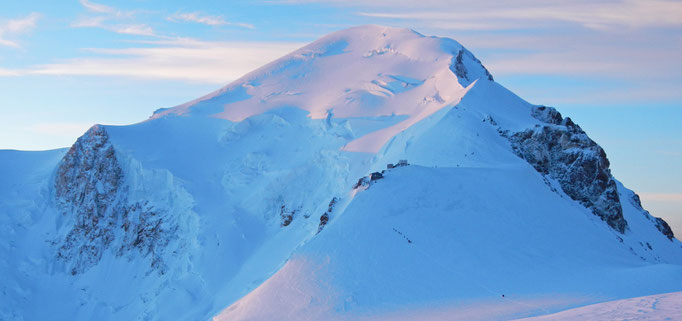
x: 282, y: 196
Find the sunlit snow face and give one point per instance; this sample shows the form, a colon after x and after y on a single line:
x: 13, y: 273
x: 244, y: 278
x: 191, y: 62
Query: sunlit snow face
x: 366, y: 85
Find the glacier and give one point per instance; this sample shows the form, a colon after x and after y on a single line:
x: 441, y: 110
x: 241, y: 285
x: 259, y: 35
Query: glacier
x: 244, y: 204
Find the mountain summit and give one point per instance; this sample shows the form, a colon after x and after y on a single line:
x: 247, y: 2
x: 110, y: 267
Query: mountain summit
x: 367, y: 71
x: 374, y: 174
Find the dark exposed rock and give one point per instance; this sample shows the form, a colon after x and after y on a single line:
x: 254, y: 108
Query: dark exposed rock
x: 331, y: 205
x: 561, y: 150
x: 400, y: 163
x: 363, y: 181
x: 460, y: 70
x: 458, y: 67
x: 323, y: 222
x: 546, y: 114
x: 87, y: 187
x: 403, y: 235
x: 660, y: 224
x: 368, y: 180
x: 93, y: 199
x: 286, y: 215
x: 325, y: 217
x: 663, y: 226
x: 146, y: 232
x: 490, y: 119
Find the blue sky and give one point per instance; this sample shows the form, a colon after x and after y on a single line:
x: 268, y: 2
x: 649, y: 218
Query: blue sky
x: 614, y: 66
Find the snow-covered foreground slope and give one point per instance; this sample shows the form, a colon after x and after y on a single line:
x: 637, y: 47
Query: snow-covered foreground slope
x: 653, y: 307
x: 254, y: 202
x: 427, y: 239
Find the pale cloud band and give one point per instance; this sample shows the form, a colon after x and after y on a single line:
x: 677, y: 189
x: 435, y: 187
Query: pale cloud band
x: 15, y: 27
x: 122, y: 21
x: 181, y: 59
x: 611, y: 41
x: 594, y: 14
x: 100, y: 8
x: 662, y: 197
x: 111, y: 19
x: 208, y: 20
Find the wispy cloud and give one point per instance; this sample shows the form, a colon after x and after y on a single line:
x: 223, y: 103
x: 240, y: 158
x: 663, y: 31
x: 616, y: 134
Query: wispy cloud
x: 650, y: 71
x: 594, y: 15
x: 15, y: 27
x: 112, y: 19
x: 139, y: 29
x: 180, y: 59
x: 591, y: 14
x: 662, y: 197
x: 208, y: 20
x: 99, y: 8
x: 95, y: 22
x: 9, y: 72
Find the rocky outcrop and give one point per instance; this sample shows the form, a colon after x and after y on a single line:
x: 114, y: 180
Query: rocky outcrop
x: 97, y: 215
x: 325, y: 217
x: 87, y: 186
x: 561, y: 150
x: 467, y: 74
x: 286, y: 215
x: 660, y: 224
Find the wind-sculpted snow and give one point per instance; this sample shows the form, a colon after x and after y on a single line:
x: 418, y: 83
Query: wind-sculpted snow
x: 276, y: 196
x: 653, y: 307
x: 352, y: 73
x: 563, y: 151
x: 98, y: 214
x: 426, y: 243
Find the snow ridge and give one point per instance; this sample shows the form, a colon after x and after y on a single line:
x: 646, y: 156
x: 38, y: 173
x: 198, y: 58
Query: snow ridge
x: 245, y: 199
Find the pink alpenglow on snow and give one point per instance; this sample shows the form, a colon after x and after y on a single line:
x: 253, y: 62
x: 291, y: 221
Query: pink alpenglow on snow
x: 352, y: 73
x: 273, y: 199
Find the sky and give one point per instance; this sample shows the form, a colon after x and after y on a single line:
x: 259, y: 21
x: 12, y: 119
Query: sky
x: 614, y: 67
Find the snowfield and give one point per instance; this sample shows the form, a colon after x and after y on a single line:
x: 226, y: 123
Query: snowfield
x: 258, y: 202
x: 387, y: 253
x: 653, y: 307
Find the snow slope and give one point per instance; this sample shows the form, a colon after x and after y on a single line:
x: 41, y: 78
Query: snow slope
x: 653, y: 307
x: 250, y: 202
x: 431, y: 239
x: 360, y: 72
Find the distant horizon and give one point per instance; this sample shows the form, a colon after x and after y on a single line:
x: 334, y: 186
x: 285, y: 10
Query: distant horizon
x: 612, y: 66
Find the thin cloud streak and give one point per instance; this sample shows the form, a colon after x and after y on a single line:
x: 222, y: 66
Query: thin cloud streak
x: 100, y: 8
x: 9, y: 73
x: 206, y: 62
x: 633, y: 14
x: 15, y: 27
x: 208, y: 20
x: 111, y: 19
x: 139, y: 30
x: 654, y: 60
x: 590, y: 14
x: 662, y: 197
